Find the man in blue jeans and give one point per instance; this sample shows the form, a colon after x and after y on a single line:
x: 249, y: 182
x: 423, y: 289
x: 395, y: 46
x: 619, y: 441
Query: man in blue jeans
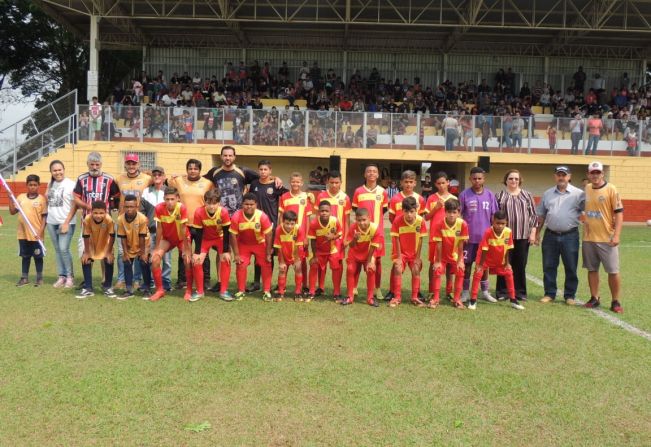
x: 560, y: 209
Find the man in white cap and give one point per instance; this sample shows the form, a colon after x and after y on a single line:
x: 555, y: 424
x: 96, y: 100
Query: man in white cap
x: 560, y: 210
x: 604, y: 214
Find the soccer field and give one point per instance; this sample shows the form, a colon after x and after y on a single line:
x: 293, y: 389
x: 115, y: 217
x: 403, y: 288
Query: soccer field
x: 104, y: 372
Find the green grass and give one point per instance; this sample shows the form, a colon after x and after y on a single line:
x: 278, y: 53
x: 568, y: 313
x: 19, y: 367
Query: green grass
x: 102, y: 372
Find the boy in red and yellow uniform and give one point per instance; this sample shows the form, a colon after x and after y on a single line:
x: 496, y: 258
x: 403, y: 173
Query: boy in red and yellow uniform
x: 363, y: 240
x: 408, y: 185
x: 325, y: 235
x: 171, y: 232
x: 251, y: 233
x: 448, y: 237
x: 492, y: 255
x: 210, y: 223
x: 297, y: 201
x: 289, y: 241
x: 34, y: 205
x: 435, y: 208
x: 407, y: 233
x: 373, y: 198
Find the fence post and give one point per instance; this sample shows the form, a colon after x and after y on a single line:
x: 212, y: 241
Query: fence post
x: 250, y: 109
x: 364, y: 124
x: 529, y: 134
x: 473, y: 122
x: 418, y: 115
x: 194, y: 126
x: 307, y: 128
x: 142, y: 124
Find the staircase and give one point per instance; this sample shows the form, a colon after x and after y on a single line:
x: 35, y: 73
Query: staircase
x: 43, y: 132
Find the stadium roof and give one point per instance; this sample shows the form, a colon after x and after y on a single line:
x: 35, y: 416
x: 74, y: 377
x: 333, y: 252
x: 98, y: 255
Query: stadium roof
x: 592, y: 28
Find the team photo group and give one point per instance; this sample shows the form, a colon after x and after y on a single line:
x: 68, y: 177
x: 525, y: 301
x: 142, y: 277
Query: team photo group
x: 245, y: 215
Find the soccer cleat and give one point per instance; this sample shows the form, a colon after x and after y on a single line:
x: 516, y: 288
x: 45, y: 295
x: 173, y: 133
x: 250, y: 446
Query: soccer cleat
x: 306, y: 290
x: 593, y: 303
x: 60, y: 282
x: 420, y: 295
x: 125, y: 296
x: 616, y: 307
x: 522, y: 298
x: 226, y: 296
x: 157, y: 295
x: 389, y: 296
x: 373, y: 302
x: 298, y: 297
x: 378, y: 294
x: 239, y: 296
x: 337, y: 298
x: 85, y: 293
x: 485, y: 294
x: 279, y: 297
x: 39, y: 282
x: 146, y: 294
x: 109, y: 293
x: 196, y: 297
x: 458, y: 305
x: 472, y: 306
x: 570, y: 301
x: 465, y: 296
x: 546, y: 299
x: 516, y: 305
x: 449, y: 297
x: 394, y: 303
x: 433, y: 304
x: 180, y: 285
x: 347, y: 301
x: 254, y: 287
x: 267, y: 297
x: 22, y: 282
x: 501, y: 297
x: 318, y: 292
x: 309, y: 298
x: 216, y: 288
x: 417, y: 303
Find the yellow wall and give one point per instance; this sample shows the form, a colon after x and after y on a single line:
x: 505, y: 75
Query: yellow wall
x: 631, y: 175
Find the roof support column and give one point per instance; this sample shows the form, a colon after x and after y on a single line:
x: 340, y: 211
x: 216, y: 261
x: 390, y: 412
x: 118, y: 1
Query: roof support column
x: 643, y: 70
x: 144, y: 58
x: 546, y: 70
x: 445, y: 67
x: 344, y: 70
x: 93, y: 57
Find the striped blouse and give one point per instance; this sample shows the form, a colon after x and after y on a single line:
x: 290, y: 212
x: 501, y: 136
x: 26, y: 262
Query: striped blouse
x: 520, y: 212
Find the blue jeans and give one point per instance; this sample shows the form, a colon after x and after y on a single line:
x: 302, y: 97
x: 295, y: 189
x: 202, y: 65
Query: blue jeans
x: 61, y: 244
x: 576, y: 138
x: 565, y: 246
x: 450, y: 136
x: 517, y: 139
x: 593, y: 141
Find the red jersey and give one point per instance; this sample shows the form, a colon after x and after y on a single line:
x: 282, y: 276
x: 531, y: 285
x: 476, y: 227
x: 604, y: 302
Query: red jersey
x: 496, y: 247
x: 212, y: 225
x: 172, y: 222
x: 318, y: 233
x: 395, y: 204
x: 450, y: 236
x: 370, y: 240
x: 250, y: 231
x: 410, y: 236
x: 439, y: 214
x: 298, y: 203
x: 340, y: 205
x: 288, y: 242
x: 374, y: 201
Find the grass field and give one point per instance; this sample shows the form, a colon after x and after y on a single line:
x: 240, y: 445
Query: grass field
x: 103, y: 372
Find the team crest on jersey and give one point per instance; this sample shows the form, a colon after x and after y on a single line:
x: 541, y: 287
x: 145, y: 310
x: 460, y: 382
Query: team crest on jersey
x: 139, y: 182
x: 219, y: 221
x: 378, y: 197
x: 341, y: 202
x: 333, y: 230
x: 457, y: 233
x: 257, y: 225
x: 270, y: 190
x: 418, y: 229
x: 602, y: 199
x: 103, y: 226
x: 302, y: 202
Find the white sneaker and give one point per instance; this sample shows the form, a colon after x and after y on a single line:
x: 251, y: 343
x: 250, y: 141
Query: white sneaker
x: 516, y: 305
x: 85, y: 293
x: 485, y: 294
x: 378, y: 295
x: 465, y: 296
x: 60, y: 282
x: 472, y: 306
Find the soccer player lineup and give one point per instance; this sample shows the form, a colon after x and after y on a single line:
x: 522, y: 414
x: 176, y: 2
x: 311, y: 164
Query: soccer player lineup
x: 252, y: 217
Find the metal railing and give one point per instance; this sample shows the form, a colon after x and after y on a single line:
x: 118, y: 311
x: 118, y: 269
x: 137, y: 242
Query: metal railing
x: 368, y: 130
x: 42, y: 132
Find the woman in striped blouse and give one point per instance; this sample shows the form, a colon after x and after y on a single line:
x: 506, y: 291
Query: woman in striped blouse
x: 521, y: 214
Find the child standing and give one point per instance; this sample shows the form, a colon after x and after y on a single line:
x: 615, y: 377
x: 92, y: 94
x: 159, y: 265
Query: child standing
x: 492, y: 257
x: 133, y: 232
x: 364, y: 240
x: 34, y: 205
x: 407, y: 233
x: 251, y: 233
x: 324, y: 234
x: 289, y: 241
x: 210, y: 223
x: 551, y: 136
x: 98, y: 235
x: 449, y: 236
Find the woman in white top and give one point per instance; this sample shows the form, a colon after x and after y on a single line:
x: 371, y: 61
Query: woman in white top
x: 61, y: 210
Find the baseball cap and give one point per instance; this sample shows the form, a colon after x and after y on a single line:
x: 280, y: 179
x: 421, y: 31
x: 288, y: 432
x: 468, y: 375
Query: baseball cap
x: 564, y: 169
x: 158, y: 169
x: 595, y: 166
x: 132, y: 157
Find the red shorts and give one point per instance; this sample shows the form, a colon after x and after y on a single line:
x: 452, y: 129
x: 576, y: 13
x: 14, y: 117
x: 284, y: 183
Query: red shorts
x: 258, y: 250
x: 432, y: 252
x: 174, y: 244
x: 334, y: 260
x: 217, y: 244
x: 407, y: 261
x: 454, y: 270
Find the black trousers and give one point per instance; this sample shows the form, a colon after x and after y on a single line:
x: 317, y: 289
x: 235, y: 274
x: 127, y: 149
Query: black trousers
x: 518, y: 260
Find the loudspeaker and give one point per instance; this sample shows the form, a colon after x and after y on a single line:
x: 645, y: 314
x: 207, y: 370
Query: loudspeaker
x: 484, y: 163
x: 335, y: 163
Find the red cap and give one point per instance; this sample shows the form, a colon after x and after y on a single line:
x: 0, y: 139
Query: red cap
x: 132, y: 157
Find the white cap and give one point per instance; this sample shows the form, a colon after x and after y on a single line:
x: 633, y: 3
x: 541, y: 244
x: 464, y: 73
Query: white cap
x: 596, y: 166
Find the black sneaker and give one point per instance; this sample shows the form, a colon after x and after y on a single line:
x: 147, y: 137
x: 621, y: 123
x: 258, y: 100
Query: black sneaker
x: 22, y: 282
x: 420, y: 295
x: 318, y: 292
x: 216, y: 288
x: 593, y: 303
x: 389, y: 296
x: 449, y: 297
x: 180, y: 285
x: 254, y: 287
